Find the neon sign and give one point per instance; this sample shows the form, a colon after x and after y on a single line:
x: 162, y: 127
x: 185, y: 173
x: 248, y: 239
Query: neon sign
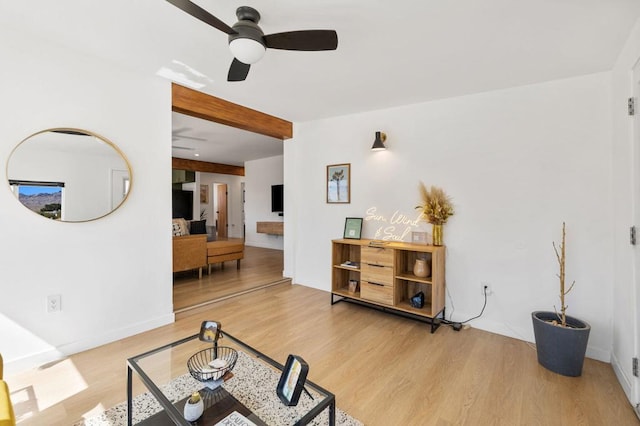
x: 394, y: 228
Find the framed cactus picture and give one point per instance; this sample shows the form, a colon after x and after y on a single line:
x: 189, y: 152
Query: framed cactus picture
x: 339, y: 183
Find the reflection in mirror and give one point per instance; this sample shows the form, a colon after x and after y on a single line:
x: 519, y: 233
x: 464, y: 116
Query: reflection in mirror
x: 69, y: 175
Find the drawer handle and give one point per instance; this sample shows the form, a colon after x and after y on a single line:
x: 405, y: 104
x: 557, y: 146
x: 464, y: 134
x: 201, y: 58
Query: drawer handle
x: 377, y: 266
x: 378, y: 284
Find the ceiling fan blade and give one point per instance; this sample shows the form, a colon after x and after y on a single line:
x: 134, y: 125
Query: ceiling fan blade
x: 201, y: 14
x: 193, y: 138
x: 309, y: 40
x: 238, y: 71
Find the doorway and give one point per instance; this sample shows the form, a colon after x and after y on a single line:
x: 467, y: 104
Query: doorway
x: 636, y: 145
x: 261, y: 266
x: 220, y: 208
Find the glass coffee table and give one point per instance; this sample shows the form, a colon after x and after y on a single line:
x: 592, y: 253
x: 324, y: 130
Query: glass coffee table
x: 250, y: 391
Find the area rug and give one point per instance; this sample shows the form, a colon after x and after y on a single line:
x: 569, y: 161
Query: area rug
x: 248, y: 374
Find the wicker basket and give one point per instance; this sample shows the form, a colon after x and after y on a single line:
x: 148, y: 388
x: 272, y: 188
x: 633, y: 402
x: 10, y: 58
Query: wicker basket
x: 200, y: 369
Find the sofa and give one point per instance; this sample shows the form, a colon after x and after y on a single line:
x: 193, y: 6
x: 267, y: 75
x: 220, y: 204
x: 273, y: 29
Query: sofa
x: 7, y: 417
x: 190, y: 252
x: 194, y: 249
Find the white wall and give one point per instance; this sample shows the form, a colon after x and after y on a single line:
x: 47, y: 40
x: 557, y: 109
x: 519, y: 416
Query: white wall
x: 114, y: 274
x: 259, y: 176
x: 626, y: 187
x: 234, y: 200
x: 517, y: 163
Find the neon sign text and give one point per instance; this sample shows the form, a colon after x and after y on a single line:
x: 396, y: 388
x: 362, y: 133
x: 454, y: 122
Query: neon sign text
x: 392, y: 228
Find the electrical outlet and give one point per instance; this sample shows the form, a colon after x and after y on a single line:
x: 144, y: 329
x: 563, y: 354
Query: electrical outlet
x: 485, y: 287
x: 54, y: 303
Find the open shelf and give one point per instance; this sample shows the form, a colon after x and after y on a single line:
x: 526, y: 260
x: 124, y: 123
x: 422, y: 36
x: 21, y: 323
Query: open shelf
x: 348, y: 268
x: 406, y: 307
x: 346, y: 293
x: 410, y: 277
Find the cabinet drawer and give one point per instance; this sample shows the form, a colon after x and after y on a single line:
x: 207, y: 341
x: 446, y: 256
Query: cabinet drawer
x: 377, y: 256
x: 376, y: 293
x: 377, y: 274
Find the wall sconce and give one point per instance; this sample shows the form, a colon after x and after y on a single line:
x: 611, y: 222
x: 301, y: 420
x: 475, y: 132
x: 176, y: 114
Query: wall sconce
x: 378, y: 144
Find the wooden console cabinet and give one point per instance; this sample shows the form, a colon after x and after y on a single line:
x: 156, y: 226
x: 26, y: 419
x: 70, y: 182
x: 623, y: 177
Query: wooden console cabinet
x: 384, y: 273
x: 274, y: 228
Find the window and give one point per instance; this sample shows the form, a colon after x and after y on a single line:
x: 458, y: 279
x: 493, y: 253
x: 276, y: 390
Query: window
x: 44, y: 198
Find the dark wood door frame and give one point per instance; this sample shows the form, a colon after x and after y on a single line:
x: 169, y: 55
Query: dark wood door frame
x: 201, y: 105
x: 221, y: 199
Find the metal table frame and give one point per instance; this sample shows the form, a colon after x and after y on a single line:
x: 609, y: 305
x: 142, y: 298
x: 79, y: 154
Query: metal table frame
x: 132, y: 365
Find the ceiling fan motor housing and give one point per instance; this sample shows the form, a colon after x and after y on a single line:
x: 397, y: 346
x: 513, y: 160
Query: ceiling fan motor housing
x: 247, y: 29
x: 247, y: 44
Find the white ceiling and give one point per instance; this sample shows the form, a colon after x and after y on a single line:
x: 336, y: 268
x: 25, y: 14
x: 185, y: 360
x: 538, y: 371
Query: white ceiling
x: 219, y: 144
x: 390, y: 53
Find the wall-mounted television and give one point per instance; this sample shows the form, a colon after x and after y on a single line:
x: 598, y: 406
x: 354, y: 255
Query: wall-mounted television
x: 182, y: 204
x: 277, y: 198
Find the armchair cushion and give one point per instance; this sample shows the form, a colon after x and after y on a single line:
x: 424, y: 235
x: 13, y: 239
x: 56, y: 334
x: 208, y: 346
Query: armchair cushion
x: 7, y: 416
x: 180, y: 227
x: 198, y: 227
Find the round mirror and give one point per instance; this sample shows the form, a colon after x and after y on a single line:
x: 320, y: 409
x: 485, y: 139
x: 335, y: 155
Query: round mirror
x: 70, y: 175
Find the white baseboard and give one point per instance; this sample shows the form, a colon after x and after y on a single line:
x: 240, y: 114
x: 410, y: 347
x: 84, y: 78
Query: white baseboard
x: 32, y: 361
x: 624, y: 380
x: 276, y: 244
x: 498, y: 327
x: 35, y: 360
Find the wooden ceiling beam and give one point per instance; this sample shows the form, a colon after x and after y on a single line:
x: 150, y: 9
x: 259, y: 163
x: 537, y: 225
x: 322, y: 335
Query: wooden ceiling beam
x: 201, y: 105
x: 205, y: 166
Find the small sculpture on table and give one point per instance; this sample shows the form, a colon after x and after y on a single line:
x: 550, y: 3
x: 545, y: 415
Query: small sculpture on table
x: 193, y: 408
x: 417, y: 301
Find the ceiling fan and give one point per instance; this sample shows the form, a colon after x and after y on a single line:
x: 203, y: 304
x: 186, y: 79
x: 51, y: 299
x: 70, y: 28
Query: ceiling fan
x: 177, y: 134
x: 248, y: 43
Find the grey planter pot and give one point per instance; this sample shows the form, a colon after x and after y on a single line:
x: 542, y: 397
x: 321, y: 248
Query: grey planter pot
x: 560, y: 349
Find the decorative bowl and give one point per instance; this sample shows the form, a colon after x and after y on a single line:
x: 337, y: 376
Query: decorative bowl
x: 200, y: 364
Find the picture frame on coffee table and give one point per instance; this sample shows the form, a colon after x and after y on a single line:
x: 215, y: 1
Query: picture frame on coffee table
x: 292, y: 380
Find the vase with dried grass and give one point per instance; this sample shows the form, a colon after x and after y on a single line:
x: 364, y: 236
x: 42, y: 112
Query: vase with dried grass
x: 436, y: 209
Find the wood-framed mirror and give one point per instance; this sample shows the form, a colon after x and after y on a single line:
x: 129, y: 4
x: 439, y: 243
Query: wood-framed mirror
x: 69, y: 174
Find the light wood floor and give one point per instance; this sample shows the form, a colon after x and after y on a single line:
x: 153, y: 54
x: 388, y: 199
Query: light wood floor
x: 260, y: 266
x: 384, y: 369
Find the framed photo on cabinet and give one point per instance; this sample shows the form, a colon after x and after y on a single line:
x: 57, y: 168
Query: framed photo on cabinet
x: 339, y: 183
x: 353, y: 228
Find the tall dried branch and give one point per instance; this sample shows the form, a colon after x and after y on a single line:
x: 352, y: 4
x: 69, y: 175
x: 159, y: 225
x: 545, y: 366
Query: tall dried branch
x: 561, y: 261
x: 570, y: 287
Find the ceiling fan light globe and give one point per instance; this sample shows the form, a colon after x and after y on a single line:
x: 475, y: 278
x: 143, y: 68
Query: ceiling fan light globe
x: 246, y: 50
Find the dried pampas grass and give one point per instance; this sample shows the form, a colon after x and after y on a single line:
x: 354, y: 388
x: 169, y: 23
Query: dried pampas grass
x: 436, y: 205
